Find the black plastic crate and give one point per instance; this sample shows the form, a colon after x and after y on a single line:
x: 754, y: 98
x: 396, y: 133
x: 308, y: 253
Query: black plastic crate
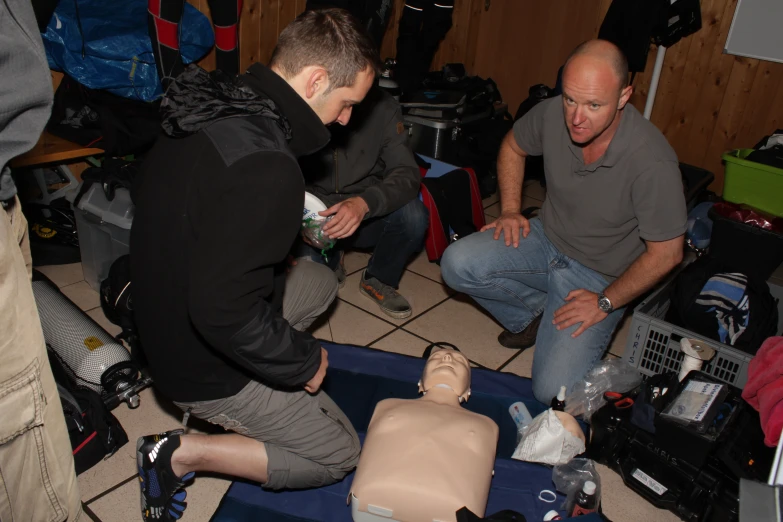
x: 745, y: 248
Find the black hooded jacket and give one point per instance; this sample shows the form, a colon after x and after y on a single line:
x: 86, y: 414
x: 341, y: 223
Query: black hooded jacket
x: 218, y: 205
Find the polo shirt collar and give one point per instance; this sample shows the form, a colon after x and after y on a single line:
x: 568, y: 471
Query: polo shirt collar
x: 620, y: 141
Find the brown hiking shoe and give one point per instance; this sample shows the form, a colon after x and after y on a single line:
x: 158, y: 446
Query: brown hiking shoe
x: 524, y: 339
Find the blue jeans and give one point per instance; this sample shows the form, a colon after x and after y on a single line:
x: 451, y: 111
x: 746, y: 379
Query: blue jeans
x: 394, y: 238
x: 515, y: 285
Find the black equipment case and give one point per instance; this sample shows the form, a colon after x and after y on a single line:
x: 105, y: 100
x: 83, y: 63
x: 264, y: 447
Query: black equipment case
x: 696, y: 476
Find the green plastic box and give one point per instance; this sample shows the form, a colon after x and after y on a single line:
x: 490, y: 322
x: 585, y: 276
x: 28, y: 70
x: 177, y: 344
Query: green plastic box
x: 751, y: 183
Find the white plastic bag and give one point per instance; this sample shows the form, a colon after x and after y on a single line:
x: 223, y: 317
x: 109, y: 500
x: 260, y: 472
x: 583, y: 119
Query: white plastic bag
x: 570, y: 478
x: 547, y: 441
x: 587, y: 396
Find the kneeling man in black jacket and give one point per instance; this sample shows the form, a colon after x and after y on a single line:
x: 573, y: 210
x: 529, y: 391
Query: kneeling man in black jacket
x: 220, y: 311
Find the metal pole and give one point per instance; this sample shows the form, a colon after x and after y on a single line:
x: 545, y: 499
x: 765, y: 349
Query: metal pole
x: 648, y: 106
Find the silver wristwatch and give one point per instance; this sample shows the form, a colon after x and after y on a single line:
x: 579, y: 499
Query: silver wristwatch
x: 605, y: 304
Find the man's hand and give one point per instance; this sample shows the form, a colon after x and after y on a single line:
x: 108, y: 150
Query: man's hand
x: 582, y: 307
x: 348, y: 215
x: 314, y: 384
x: 509, y: 223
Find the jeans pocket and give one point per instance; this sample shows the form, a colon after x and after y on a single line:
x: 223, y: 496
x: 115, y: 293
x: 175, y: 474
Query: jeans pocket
x: 559, y: 262
x: 30, y: 475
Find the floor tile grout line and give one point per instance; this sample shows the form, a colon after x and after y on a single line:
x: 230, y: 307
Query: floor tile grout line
x: 71, y: 284
x: 365, y: 311
x: 347, y: 274
x: 425, y: 311
x: 425, y: 277
x: 511, y: 359
x: 90, y: 513
x: 408, y: 268
x: 391, y: 323
x: 417, y: 335
x: 111, y: 489
x: 387, y: 334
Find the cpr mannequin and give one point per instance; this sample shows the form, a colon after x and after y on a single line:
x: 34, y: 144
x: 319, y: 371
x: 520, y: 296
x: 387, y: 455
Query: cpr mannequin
x: 424, y: 459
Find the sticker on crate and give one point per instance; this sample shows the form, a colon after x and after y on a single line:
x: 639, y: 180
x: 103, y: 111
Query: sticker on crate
x: 648, y: 481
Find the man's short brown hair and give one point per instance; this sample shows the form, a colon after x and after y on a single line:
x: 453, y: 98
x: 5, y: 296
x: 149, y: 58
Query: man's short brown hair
x: 329, y: 38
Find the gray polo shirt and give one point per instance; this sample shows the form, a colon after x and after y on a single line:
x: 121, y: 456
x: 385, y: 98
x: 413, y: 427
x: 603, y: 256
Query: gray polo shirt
x: 599, y: 214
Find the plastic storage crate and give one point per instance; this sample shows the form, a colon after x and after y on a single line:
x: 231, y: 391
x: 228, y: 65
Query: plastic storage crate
x: 104, y: 231
x: 653, y: 345
x: 751, y: 183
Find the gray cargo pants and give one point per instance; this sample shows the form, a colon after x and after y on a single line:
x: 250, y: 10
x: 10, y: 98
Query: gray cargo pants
x: 309, y: 441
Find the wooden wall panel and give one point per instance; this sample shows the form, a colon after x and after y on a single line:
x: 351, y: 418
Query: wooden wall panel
x: 460, y: 42
x: 389, y: 45
x: 709, y: 102
x: 250, y: 33
x: 524, y: 42
x: 706, y: 103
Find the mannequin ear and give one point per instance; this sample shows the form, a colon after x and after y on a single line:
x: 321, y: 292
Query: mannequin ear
x: 465, y: 396
x: 421, y: 390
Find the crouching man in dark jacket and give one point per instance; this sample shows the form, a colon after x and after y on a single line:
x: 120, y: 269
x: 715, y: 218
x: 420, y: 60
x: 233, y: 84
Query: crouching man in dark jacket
x: 219, y: 205
x: 370, y: 181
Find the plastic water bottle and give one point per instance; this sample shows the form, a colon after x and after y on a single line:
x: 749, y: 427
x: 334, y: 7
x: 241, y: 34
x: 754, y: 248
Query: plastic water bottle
x: 520, y: 414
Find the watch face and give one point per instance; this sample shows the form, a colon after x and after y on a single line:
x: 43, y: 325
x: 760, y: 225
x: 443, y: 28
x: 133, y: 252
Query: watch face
x: 604, y: 304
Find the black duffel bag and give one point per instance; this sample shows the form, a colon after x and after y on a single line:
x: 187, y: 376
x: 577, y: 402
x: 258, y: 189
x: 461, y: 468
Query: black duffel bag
x: 95, y: 433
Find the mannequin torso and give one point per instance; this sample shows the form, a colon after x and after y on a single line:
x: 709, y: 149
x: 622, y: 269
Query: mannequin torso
x: 425, y: 459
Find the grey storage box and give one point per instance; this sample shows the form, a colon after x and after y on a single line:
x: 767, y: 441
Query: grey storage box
x: 439, y: 138
x: 434, y: 138
x: 653, y: 345
x: 104, y: 231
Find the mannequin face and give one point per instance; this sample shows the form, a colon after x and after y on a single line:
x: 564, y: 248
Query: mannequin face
x: 449, y: 367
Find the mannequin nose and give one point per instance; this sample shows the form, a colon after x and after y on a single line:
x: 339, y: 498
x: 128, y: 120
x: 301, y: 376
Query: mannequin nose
x: 447, y: 357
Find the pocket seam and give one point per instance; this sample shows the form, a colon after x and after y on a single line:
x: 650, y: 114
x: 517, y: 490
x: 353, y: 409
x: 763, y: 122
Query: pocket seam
x: 31, y: 376
x: 356, y: 444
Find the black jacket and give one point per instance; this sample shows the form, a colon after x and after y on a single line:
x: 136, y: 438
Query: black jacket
x: 217, y: 210
x: 370, y: 157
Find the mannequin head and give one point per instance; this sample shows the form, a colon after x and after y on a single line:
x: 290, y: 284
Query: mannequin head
x: 571, y: 425
x: 447, y: 368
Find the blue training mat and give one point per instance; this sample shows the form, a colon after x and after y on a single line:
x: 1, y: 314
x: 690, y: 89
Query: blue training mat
x: 358, y: 378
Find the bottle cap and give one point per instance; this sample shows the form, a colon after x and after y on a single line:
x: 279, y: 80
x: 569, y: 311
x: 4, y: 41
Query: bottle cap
x: 552, y: 515
x: 561, y: 393
x: 589, y: 487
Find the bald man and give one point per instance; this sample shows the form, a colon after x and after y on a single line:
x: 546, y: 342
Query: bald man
x: 611, y: 226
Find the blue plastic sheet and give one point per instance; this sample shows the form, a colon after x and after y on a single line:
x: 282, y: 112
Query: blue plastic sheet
x: 357, y: 380
x: 107, y: 45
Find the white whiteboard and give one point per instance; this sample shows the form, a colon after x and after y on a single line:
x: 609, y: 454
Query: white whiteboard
x: 757, y: 30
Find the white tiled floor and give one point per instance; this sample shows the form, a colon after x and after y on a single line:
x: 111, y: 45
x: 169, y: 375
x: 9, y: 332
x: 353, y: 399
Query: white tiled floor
x: 110, y: 489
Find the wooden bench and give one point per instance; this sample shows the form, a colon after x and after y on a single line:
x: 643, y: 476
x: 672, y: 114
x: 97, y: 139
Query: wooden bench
x: 51, y: 149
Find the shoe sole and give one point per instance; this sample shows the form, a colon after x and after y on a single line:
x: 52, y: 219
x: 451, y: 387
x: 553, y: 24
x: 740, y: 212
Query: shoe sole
x: 139, y: 463
x: 518, y: 347
x: 390, y: 313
